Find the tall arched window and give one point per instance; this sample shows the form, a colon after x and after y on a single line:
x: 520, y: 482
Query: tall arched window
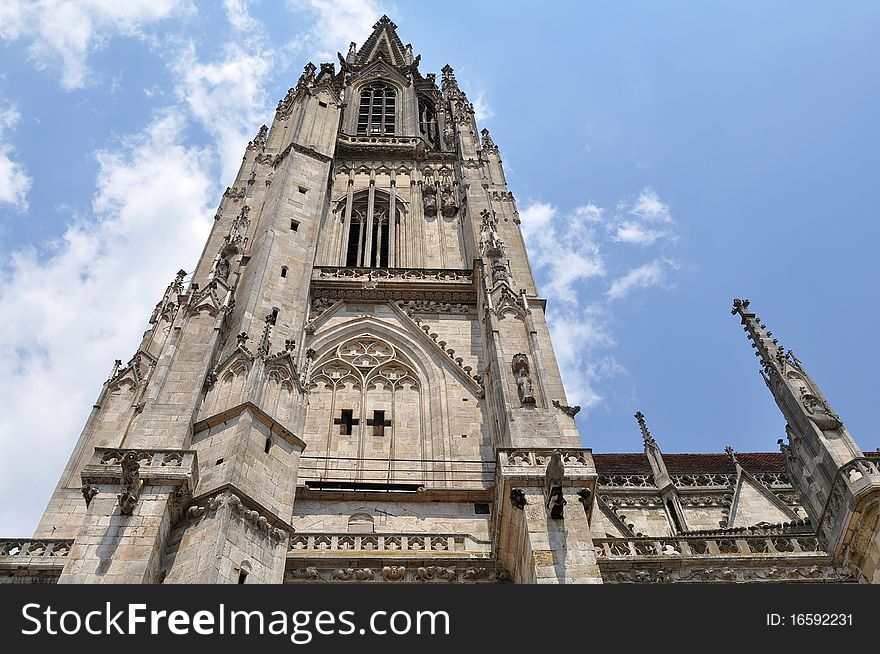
x: 428, y: 121
x: 371, y: 241
x: 376, y: 113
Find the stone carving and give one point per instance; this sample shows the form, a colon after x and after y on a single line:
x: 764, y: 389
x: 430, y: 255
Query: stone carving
x: 431, y: 306
x: 393, y: 573
x: 819, y: 412
x: 265, y: 344
x: 727, y: 574
x: 500, y: 272
x: 448, y: 205
x: 435, y: 572
x: 310, y: 573
x: 203, y: 507
x: 221, y: 269
x: 89, y: 493
x: 353, y: 574
x: 259, y: 141
x: 518, y: 498
x: 401, y: 573
x: 131, y: 483
x: 553, y: 480
x: 255, y: 520
x: 235, y: 193
x: 571, y: 411
x: 523, y: 379
x: 429, y: 200
x: 488, y: 143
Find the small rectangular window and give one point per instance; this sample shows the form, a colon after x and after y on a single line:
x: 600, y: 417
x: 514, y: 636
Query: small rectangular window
x: 303, y: 190
x: 294, y: 226
x: 481, y: 508
x: 321, y: 103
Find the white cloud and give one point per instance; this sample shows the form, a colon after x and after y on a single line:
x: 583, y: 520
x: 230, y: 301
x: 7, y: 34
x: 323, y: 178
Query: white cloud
x: 239, y: 17
x: 633, y: 232
x: 564, y: 246
x: 649, y: 206
x: 226, y: 97
x: 336, y: 24
x: 570, y: 255
x: 482, y: 111
x: 653, y: 273
x: 645, y: 221
x: 84, y: 302
x: 63, y: 33
x: 14, y: 179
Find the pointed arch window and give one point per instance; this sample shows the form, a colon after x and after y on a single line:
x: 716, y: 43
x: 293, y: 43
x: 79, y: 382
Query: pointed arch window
x: 376, y: 114
x: 428, y: 121
x: 371, y: 241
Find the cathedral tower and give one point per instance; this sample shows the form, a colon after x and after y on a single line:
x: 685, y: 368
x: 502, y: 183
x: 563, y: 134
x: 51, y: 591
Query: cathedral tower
x: 357, y: 382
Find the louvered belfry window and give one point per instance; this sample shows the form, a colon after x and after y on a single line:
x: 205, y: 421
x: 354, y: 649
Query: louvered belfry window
x: 376, y: 113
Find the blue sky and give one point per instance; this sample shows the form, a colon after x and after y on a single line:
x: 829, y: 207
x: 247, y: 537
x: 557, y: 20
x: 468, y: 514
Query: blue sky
x: 666, y: 157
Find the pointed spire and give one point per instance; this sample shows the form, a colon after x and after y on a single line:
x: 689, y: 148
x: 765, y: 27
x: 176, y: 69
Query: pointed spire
x: 766, y: 347
x: 732, y: 454
x: 449, y: 85
x: 655, y: 457
x: 643, y: 426
x: 384, y: 21
x: 383, y: 42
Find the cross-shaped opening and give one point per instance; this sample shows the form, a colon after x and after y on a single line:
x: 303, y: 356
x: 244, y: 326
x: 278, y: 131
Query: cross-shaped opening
x: 346, y: 422
x: 378, y: 423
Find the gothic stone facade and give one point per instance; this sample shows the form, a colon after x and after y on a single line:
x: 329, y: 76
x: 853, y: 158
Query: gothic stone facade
x: 357, y: 384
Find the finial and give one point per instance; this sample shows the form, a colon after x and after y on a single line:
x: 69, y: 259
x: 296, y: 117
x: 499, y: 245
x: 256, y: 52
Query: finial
x: 643, y: 426
x: 732, y: 454
x: 384, y: 21
x: 739, y: 306
x: 242, y: 339
x: 766, y: 347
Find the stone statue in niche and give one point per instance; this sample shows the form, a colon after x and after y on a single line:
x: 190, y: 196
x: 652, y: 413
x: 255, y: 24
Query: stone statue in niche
x: 131, y: 483
x: 819, y: 412
x: 523, y: 378
x: 554, y: 478
x: 499, y: 272
x: 447, y: 202
x: 429, y: 197
x: 817, y: 409
x: 222, y: 269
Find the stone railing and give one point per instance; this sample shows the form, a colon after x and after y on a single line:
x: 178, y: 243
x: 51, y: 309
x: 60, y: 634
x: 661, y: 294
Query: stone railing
x: 302, y: 544
x: 697, y: 480
x: 540, y: 457
x: 851, y: 479
x: 331, y: 283
x: 445, y: 275
x: 626, y: 481
x: 34, y: 548
x: 146, y: 458
x: 690, y: 547
x: 158, y: 466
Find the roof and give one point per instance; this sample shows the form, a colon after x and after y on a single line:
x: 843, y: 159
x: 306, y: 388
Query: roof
x: 684, y: 464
